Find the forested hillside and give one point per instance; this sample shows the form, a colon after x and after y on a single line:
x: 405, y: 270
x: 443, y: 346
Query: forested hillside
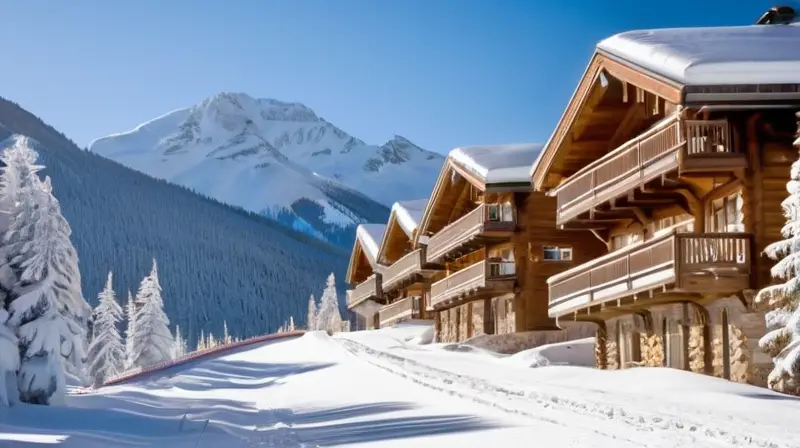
x: 216, y: 263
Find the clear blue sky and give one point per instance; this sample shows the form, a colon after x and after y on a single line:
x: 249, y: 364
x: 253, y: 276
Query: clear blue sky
x: 442, y: 73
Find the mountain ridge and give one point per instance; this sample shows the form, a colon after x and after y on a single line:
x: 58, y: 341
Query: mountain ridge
x: 217, y: 262
x: 279, y: 159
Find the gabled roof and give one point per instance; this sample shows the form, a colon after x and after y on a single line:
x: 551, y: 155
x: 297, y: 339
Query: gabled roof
x: 501, y: 164
x: 408, y: 214
x: 678, y: 63
x: 755, y: 54
x: 405, y: 216
x: 488, y: 168
x: 368, y: 240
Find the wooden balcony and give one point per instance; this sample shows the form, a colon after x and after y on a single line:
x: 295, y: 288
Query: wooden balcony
x: 406, y: 308
x: 403, y: 269
x: 690, y: 147
x: 480, y: 280
x: 369, y: 289
x: 473, y: 229
x: 703, y: 263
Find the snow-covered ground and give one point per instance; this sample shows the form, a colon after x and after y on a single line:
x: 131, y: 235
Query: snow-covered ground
x: 382, y: 388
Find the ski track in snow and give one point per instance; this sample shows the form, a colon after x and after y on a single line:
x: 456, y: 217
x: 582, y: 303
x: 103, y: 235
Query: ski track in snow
x: 514, y: 400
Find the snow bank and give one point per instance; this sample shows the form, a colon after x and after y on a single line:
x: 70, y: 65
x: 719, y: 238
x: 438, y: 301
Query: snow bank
x: 755, y: 54
x: 370, y: 236
x: 498, y: 164
x: 573, y: 353
x: 408, y: 214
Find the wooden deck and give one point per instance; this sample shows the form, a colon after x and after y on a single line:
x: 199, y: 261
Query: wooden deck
x: 406, y: 308
x: 406, y: 267
x: 472, y: 228
x: 369, y: 289
x: 482, y: 279
x: 691, y: 262
x: 690, y: 147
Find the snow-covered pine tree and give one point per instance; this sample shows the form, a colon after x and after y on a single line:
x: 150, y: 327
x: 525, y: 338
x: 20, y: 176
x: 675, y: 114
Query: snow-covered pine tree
x: 180, y: 344
x: 201, y: 341
x: 9, y: 362
x: 290, y: 327
x: 47, y: 307
x: 211, y: 342
x: 130, y: 314
x: 329, y: 317
x: 106, y: 351
x: 783, y: 321
x: 152, y: 341
x: 311, y: 317
x: 226, y: 337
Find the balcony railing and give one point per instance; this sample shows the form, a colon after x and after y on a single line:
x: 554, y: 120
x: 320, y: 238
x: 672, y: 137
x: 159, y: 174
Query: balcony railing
x: 684, y: 144
x: 369, y: 289
x: 481, y: 277
x: 473, y: 224
x: 400, y: 309
x: 403, y: 268
x: 692, y: 262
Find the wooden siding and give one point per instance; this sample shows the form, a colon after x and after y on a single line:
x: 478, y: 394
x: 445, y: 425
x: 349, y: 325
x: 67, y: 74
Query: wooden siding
x: 537, y: 228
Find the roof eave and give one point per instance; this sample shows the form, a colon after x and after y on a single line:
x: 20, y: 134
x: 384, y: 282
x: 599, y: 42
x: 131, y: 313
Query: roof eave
x: 545, y: 161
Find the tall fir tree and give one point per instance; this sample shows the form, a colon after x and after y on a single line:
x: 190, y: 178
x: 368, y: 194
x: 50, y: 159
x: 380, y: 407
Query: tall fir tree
x: 180, y: 344
x: 782, y: 341
x: 47, y: 308
x: 311, y: 317
x: 152, y: 341
x: 130, y: 317
x: 106, y: 350
x: 9, y: 362
x: 329, y: 317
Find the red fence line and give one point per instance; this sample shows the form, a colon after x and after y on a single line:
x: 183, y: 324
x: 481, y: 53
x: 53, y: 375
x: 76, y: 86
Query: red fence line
x: 125, y: 376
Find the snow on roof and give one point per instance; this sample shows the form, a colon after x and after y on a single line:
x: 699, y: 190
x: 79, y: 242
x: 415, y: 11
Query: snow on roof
x: 409, y: 213
x: 755, y: 54
x: 370, y: 236
x: 500, y: 163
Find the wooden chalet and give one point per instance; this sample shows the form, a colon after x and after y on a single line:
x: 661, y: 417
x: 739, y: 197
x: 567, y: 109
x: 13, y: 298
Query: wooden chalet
x: 674, y: 153
x: 493, y: 243
x: 405, y: 280
x: 364, y: 276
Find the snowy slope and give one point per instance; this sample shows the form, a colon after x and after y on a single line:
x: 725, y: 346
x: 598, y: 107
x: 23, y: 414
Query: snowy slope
x: 379, y: 389
x: 276, y: 158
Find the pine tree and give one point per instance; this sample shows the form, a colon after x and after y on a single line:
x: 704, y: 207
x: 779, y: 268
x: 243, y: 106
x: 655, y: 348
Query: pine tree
x: 329, y: 318
x: 290, y: 327
x: 106, y: 351
x: 201, y: 341
x: 48, y: 310
x: 9, y: 362
x: 783, y: 321
x: 180, y: 344
x: 152, y: 341
x: 211, y: 342
x: 311, y: 317
x: 226, y: 337
x: 130, y: 313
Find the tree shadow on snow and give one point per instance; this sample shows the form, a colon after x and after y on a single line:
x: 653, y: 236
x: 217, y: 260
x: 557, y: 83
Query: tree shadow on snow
x: 145, y: 420
x: 769, y: 396
x: 227, y: 375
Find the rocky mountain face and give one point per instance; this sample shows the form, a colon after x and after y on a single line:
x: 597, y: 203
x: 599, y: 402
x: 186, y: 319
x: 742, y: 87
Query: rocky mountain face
x: 278, y: 159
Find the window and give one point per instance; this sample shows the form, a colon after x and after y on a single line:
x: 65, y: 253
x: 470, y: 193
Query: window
x: 502, y: 264
x: 493, y: 212
x: 556, y: 253
x: 726, y: 214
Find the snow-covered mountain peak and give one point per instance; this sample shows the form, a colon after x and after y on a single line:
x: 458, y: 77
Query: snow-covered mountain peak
x: 268, y: 156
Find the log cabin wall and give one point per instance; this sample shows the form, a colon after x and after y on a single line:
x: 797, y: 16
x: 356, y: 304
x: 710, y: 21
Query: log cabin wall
x: 536, y: 237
